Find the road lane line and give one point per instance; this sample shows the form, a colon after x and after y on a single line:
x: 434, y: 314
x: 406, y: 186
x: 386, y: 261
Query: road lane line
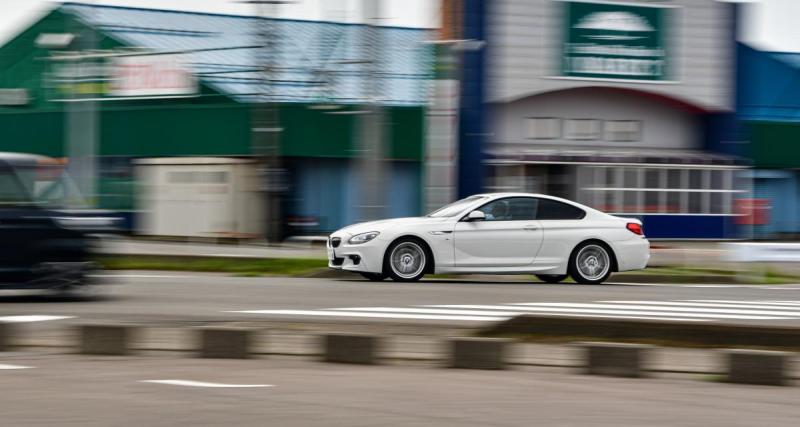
x: 4, y: 366
x: 790, y: 304
x: 745, y: 304
x: 719, y: 312
x: 369, y: 314
x: 485, y: 318
x: 32, y: 318
x: 189, y: 383
x: 648, y: 311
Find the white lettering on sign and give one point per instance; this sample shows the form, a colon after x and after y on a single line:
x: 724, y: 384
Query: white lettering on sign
x: 153, y: 75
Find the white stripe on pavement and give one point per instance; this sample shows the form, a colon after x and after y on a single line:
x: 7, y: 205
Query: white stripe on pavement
x: 791, y: 304
x: 706, y: 312
x: 489, y: 317
x: 745, y: 304
x: 593, y: 309
x: 188, y: 383
x: 4, y: 366
x: 369, y: 314
x: 32, y: 318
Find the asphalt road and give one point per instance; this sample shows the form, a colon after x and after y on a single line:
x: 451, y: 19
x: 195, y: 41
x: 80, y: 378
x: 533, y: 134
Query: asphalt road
x: 156, y: 297
x: 58, y: 390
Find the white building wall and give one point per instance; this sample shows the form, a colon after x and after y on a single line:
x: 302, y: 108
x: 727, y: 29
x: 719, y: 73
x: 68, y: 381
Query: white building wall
x: 662, y: 126
x: 524, y: 48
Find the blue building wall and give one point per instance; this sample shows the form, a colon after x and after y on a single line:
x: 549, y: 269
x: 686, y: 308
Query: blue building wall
x: 472, y: 122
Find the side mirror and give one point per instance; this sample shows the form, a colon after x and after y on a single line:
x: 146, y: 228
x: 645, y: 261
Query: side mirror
x: 476, y: 216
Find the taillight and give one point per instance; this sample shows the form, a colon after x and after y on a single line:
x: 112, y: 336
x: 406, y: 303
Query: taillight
x: 635, y: 228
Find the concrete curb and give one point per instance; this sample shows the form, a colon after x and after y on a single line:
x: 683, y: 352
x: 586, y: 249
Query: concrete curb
x: 610, y: 359
x: 703, y: 334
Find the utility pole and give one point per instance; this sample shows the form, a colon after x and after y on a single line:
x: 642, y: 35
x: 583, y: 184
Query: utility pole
x: 266, y: 129
x: 372, y: 135
x: 82, y: 122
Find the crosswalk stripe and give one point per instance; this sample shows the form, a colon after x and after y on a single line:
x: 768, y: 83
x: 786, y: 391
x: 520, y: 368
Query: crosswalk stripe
x: 746, y: 304
x: 770, y: 303
x: 713, y: 312
x: 489, y: 317
x: 627, y: 310
x: 372, y: 314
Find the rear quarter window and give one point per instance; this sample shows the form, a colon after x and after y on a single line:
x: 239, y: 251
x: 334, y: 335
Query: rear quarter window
x: 551, y: 209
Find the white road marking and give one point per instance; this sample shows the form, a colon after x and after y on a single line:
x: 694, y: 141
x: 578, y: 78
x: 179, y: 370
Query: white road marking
x: 4, y: 366
x: 369, y: 314
x: 681, y: 311
x: 143, y: 276
x: 189, y: 383
x: 32, y: 318
x: 744, y: 304
x: 685, y: 311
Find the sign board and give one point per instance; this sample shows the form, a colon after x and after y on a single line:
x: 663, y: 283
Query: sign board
x: 14, y: 97
x: 155, y: 75
x: 122, y: 77
x: 620, y: 41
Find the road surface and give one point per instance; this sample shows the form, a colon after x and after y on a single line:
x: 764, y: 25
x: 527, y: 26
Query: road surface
x: 62, y: 390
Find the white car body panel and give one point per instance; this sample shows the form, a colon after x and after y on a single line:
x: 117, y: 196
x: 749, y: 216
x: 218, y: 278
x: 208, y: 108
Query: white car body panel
x: 494, y: 247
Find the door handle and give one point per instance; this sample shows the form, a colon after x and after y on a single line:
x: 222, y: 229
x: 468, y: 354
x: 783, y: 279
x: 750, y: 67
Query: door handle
x: 530, y: 228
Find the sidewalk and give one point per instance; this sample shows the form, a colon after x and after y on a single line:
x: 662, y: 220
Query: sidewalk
x: 128, y: 246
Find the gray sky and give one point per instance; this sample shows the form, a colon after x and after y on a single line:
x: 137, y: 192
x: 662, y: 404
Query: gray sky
x: 770, y: 24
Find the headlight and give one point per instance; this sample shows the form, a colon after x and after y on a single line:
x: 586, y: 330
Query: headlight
x: 363, y: 237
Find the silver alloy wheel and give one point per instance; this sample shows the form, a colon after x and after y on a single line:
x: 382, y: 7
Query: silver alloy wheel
x: 407, y: 260
x: 593, y: 262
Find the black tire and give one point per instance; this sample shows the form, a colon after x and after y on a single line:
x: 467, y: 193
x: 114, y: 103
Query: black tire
x: 373, y: 277
x: 591, y: 272
x: 551, y: 278
x: 406, y: 252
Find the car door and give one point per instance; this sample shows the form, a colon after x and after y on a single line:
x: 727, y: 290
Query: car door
x: 509, y: 236
x: 563, y: 227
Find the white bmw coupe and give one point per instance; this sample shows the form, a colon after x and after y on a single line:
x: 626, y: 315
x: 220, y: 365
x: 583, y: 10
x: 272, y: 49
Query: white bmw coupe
x: 498, y: 233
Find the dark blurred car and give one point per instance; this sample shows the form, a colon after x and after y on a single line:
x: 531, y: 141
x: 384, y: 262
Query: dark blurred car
x: 44, y: 244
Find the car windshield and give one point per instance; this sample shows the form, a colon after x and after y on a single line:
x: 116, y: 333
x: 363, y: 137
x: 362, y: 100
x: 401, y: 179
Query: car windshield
x: 455, y: 208
x: 44, y: 184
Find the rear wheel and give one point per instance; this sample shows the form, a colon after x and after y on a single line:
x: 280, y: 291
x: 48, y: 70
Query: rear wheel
x: 590, y: 263
x: 551, y: 278
x: 406, y: 260
x: 374, y: 277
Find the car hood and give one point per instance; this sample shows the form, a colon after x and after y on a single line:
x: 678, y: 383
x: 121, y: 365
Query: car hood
x: 385, y: 224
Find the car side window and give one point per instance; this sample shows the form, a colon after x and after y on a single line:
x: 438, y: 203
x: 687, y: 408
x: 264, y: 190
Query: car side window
x: 551, y: 209
x: 510, y: 209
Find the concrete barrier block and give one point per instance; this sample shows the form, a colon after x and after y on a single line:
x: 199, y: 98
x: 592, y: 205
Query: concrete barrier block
x: 111, y: 340
x: 7, y: 331
x: 351, y: 348
x: 615, y: 359
x: 225, y: 342
x: 479, y: 353
x: 757, y: 366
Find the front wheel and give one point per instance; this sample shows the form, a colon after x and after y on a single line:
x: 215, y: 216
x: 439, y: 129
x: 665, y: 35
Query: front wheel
x: 406, y: 260
x: 551, y: 278
x: 374, y: 277
x: 590, y: 263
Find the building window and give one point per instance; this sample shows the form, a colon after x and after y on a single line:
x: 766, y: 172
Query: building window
x: 658, y: 190
x: 582, y: 129
x: 542, y: 128
x: 623, y: 130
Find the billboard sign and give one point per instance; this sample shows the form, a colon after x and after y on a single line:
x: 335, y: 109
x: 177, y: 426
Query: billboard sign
x: 154, y: 75
x: 122, y: 77
x: 618, y: 41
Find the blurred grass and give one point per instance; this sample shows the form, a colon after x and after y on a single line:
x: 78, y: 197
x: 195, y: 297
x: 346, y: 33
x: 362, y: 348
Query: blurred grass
x: 245, y: 267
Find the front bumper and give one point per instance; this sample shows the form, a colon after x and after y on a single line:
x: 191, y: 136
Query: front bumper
x: 363, y: 258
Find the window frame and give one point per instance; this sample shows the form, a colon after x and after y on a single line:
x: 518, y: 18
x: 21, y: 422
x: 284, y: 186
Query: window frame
x: 639, y: 130
x: 559, y: 125
x: 582, y: 211
x: 598, y: 136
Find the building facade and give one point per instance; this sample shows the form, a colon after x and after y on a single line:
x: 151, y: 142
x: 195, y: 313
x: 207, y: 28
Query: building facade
x: 318, y: 89
x: 624, y: 106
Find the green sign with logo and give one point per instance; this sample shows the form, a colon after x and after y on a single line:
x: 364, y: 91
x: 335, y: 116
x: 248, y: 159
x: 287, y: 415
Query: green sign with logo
x: 604, y: 40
